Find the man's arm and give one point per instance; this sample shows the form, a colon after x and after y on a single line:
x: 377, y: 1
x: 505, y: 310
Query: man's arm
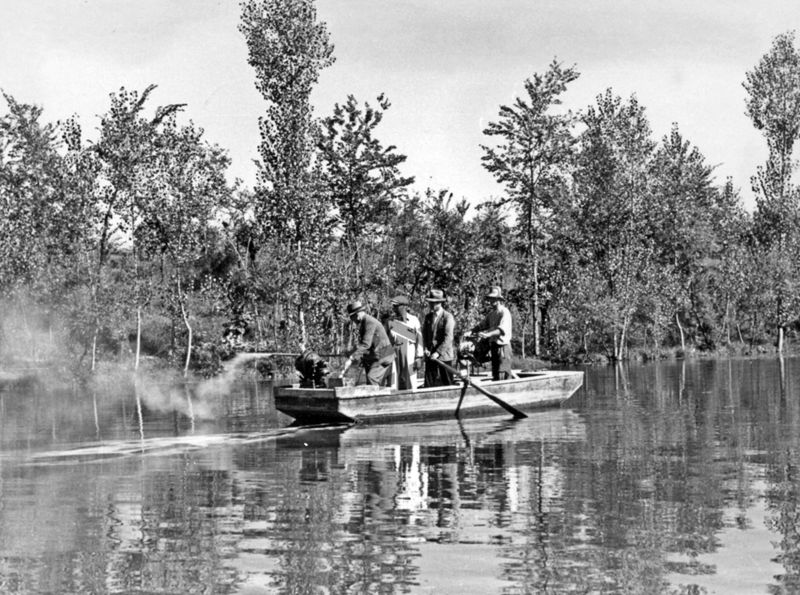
x: 505, y: 325
x: 420, y: 349
x: 490, y: 327
x: 482, y: 325
x: 366, y: 331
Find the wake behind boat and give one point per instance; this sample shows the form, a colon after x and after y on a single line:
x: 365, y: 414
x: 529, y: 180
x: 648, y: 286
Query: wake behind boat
x: 366, y: 403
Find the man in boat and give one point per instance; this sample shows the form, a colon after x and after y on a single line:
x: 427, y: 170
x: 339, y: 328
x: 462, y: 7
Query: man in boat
x: 496, y: 329
x: 405, y: 331
x: 374, y: 349
x: 437, y: 339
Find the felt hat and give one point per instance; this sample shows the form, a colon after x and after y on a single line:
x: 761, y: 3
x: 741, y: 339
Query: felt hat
x: 495, y: 293
x: 399, y: 300
x: 355, y: 308
x: 435, y: 295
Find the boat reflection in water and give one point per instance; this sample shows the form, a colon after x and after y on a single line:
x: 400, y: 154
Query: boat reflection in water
x: 669, y: 478
x: 445, y: 505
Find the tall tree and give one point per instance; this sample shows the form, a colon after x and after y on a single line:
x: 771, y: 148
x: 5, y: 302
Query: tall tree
x: 186, y: 189
x: 611, y: 203
x: 531, y: 160
x: 681, y: 223
x: 41, y: 213
x: 773, y: 104
x: 124, y: 159
x: 361, y: 174
x: 287, y: 48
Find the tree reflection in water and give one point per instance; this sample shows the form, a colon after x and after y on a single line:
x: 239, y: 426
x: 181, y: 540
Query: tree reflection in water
x: 672, y: 478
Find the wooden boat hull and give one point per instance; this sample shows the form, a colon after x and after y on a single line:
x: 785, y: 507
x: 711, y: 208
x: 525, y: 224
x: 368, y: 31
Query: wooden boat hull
x: 370, y: 403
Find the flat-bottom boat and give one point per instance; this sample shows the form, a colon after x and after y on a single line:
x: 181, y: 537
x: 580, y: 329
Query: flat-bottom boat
x: 530, y: 390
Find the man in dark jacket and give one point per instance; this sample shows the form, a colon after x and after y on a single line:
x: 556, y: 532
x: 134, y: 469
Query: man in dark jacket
x: 374, y: 350
x: 437, y: 339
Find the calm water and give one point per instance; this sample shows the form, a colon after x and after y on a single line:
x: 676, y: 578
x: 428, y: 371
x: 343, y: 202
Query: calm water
x: 671, y: 478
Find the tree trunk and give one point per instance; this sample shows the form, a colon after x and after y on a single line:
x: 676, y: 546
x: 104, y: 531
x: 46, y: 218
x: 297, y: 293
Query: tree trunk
x: 536, y: 313
x: 275, y: 323
x: 259, y: 325
x: 189, y: 330
x: 139, y: 415
x: 727, y: 320
x: 96, y: 416
x: 780, y: 339
x: 622, y: 339
x: 680, y: 330
x: 138, y: 337
x: 189, y: 405
x: 94, y: 347
x: 96, y: 323
x: 303, y: 333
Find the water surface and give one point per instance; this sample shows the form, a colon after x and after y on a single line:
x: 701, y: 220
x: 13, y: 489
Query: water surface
x: 667, y: 478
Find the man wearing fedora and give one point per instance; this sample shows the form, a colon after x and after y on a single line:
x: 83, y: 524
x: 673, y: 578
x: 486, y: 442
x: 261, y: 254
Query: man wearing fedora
x: 405, y: 331
x: 496, y: 328
x: 374, y: 350
x: 437, y: 339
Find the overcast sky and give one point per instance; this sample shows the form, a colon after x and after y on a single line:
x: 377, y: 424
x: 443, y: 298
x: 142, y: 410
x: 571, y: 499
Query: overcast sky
x: 446, y: 66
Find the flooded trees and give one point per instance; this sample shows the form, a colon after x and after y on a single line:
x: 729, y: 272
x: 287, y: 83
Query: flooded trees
x: 531, y: 159
x: 612, y: 198
x: 154, y: 186
x: 773, y: 104
x: 45, y: 224
x: 288, y: 47
x: 605, y: 239
x: 683, y: 220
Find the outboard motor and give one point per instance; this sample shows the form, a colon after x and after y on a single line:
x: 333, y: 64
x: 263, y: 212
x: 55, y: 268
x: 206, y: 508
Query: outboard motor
x: 313, y: 369
x: 473, y: 351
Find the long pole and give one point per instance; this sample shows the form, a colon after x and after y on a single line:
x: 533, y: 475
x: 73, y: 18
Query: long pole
x: 467, y: 382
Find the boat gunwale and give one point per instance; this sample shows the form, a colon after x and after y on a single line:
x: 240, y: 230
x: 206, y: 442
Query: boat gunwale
x: 364, y: 391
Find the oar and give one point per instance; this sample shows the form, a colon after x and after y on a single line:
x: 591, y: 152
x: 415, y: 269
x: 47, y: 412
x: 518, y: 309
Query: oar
x: 467, y: 382
x: 461, y: 397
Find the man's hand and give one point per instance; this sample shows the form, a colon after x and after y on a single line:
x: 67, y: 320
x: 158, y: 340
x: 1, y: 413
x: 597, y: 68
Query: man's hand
x: 417, y: 363
x: 434, y: 355
x: 346, y: 367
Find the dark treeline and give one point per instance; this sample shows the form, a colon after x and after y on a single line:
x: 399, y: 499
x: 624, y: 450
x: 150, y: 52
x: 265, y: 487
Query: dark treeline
x: 610, y: 243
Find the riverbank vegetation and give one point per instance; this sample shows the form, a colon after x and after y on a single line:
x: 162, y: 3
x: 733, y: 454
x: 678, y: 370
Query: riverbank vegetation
x: 610, y: 241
